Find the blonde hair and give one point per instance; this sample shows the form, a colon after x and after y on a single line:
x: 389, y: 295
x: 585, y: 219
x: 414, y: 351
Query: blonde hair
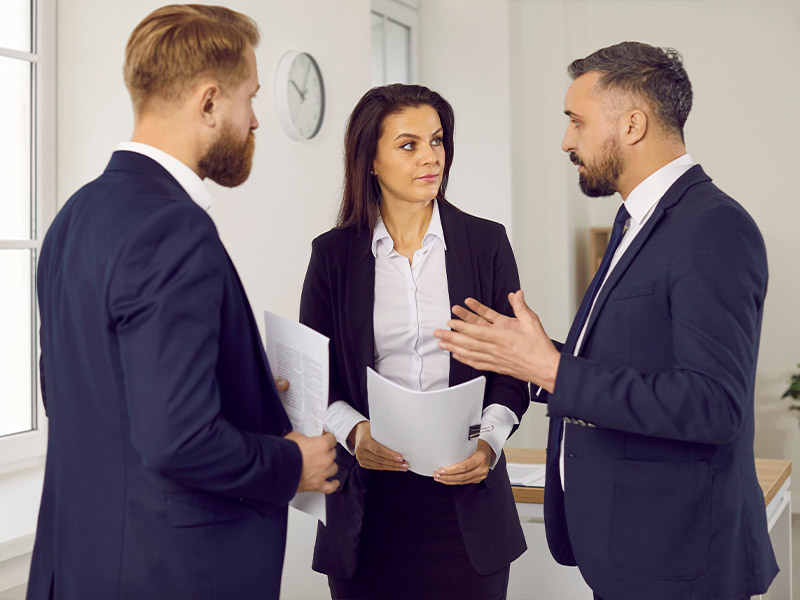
x: 175, y: 45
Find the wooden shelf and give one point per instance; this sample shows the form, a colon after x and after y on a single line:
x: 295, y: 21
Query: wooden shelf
x: 771, y: 472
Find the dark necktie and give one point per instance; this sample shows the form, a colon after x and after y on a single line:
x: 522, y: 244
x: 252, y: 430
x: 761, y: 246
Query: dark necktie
x: 557, y: 426
x: 588, y: 299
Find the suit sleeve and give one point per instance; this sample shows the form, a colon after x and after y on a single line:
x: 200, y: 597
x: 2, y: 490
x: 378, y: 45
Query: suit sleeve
x: 503, y: 389
x: 539, y: 394
x: 716, y: 288
x: 164, y: 297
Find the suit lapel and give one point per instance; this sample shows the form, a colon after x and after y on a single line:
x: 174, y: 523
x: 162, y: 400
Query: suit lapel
x: 619, y: 269
x: 460, y: 274
x: 668, y: 200
x: 360, y: 303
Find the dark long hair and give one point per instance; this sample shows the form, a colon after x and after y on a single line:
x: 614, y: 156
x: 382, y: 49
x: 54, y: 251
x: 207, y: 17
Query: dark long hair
x: 362, y: 193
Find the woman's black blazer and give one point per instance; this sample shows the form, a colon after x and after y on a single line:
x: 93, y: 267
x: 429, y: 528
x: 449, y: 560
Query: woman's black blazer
x: 337, y: 300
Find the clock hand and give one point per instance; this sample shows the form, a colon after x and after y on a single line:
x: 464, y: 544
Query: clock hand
x: 302, y: 94
x: 305, y: 78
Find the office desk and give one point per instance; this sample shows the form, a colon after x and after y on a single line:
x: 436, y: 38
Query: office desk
x: 535, y: 575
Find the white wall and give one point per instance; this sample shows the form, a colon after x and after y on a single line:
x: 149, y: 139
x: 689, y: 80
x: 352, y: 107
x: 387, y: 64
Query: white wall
x: 464, y: 57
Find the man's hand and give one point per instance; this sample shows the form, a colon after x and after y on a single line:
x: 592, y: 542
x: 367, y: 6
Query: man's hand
x: 372, y: 455
x: 318, y: 453
x: 488, y: 341
x: 471, y: 470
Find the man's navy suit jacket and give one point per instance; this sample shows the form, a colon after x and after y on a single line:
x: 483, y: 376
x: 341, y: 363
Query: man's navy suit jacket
x: 166, y: 475
x: 660, y: 495
x: 338, y: 301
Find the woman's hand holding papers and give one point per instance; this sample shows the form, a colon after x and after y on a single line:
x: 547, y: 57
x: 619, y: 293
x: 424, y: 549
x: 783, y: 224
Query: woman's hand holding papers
x: 372, y: 455
x: 471, y: 470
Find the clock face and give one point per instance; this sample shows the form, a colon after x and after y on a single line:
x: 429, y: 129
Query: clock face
x: 299, y: 95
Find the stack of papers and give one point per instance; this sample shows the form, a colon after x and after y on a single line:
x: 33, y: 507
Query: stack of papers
x: 300, y: 355
x: 526, y: 475
x: 430, y: 429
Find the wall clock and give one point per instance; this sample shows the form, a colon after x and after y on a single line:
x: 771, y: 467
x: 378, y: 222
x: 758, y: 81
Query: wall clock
x: 299, y: 95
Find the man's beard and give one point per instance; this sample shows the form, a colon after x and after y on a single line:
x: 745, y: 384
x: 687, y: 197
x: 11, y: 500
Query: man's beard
x: 601, y: 177
x: 228, y: 160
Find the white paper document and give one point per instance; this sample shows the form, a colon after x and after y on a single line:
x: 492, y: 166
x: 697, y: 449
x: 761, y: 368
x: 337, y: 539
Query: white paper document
x: 430, y: 429
x: 527, y: 475
x: 300, y: 355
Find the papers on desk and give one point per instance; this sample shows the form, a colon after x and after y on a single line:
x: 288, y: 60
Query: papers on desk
x: 430, y: 429
x: 300, y: 355
x: 526, y: 475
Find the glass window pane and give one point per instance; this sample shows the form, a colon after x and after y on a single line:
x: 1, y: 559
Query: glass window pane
x: 16, y: 405
x: 398, y: 55
x: 377, y: 49
x: 15, y: 24
x: 15, y: 151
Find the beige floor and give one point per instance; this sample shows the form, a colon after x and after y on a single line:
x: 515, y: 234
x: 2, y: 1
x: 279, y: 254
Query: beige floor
x: 16, y: 593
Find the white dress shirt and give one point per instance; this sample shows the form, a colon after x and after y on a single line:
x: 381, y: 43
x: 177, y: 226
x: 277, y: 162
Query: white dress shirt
x: 640, y: 204
x: 411, y: 301
x: 183, y: 174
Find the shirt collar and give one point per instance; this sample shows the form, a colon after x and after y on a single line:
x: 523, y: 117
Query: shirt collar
x: 647, y: 194
x: 185, y: 176
x: 380, y: 232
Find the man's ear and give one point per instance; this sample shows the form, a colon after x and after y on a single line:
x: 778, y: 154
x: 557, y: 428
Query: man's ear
x: 634, y: 126
x: 208, y: 95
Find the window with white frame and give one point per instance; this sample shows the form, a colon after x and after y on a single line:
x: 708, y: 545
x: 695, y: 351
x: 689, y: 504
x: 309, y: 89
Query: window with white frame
x: 26, y: 206
x: 394, y: 41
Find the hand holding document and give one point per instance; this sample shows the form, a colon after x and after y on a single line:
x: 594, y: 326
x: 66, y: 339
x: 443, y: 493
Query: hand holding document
x: 430, y: 429
x: 300, y: 355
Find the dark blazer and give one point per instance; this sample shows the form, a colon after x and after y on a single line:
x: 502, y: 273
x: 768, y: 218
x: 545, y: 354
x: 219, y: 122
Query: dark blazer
x: 166, y: 476
x: 661, y: 498
x: 337, y: 300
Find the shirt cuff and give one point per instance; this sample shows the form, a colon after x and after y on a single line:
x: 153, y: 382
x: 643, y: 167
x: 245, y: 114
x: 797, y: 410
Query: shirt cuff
x: 340, y: 418
x: 503, y: 420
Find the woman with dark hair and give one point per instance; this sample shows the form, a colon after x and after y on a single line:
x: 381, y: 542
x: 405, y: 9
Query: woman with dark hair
x: 378, y: 285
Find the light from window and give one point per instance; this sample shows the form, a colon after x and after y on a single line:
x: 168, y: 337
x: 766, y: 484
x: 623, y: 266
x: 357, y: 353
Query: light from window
x: 15, y: 151
x: 15, y: 25
x: 18, y: 231
x: 16, y: 365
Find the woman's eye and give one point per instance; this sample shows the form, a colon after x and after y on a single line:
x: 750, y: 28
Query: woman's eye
x: 436, y: 141
x: 408, y: 146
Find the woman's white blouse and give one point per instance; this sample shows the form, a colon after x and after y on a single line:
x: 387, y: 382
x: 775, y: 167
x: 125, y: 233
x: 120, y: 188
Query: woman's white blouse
x: 411, y: 301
